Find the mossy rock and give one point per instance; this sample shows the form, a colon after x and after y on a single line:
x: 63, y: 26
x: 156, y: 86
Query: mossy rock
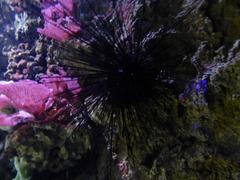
x: 225, y: 16
x: 195, y: 141
x: 60, y: 152
x: 50, y: 146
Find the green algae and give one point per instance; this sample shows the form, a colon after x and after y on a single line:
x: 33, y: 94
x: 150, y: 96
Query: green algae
x: 59, y: 153
x: 22, y: 168
x: 49, y: 147
x: 201, y: 143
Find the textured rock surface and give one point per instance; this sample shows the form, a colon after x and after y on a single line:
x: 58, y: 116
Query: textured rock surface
x: 59, y: 153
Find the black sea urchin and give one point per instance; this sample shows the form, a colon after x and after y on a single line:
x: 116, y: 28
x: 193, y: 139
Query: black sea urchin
x: 127, y: 71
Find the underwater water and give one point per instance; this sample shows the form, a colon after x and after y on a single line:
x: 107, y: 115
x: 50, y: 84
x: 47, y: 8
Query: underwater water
x: 119, y: 90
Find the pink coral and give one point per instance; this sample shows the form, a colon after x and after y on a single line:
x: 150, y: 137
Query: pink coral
x: 14, y: 119
x: 26, y: 95
x: 61, y: 84
x: 59, y: 21
x: 123, y: 168
x: 8, y: 118
x: 33, y: 99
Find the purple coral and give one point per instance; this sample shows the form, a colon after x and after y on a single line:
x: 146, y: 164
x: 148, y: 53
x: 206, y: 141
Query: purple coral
x: 198, y: 88
x: 59, y: 21
x: 201, y: 86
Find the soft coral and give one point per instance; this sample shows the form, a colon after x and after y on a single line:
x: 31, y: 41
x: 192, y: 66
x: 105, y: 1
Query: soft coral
x: 33, y: 99
x: 59, y: 21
